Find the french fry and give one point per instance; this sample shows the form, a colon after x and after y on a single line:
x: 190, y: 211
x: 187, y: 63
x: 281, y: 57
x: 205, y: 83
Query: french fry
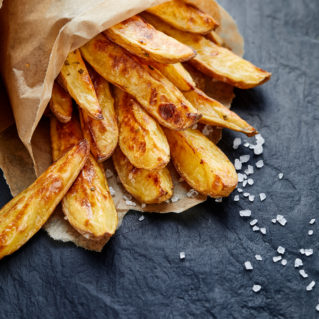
x: 142, y: 39
x: 184, y: 17
x: 209, y: 6
x: 213, y: 60
x: 88, y: 204
x: 158, y: 96
x: 61, y: 104
x: 102, y: 134
x: 215, y: 37
x: 201, y: 163
x: 141, y: 138
x: 149, y: 187
x: 216, y: 114
x: 75, y: 78
x: 26, y: 213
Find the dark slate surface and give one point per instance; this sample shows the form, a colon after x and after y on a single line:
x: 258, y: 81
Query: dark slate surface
x: 139, y: 274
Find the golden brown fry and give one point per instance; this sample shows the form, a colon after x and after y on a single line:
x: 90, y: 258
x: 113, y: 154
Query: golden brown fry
x: 209, y: 6
x: 142, y: 39
x: 201, y: 163
x: 88, y: 204
x: 184, y: 17
x: 141, y: 138
x: 215, y: 37
x: 102, y: 134
x: 213, y: 60
x: 216, y: 114
x: 149, y: 187
x: 177, y: 74
x: 26, y: 213
x: 151, y: 89
x: 61, y: 104
x: 75, y: 78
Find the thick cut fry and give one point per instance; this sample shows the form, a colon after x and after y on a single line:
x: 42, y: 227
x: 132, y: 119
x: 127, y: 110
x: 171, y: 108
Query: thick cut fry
x: 216, y: 114
x: 142, y: 39
x: 61, y: 104
x: 102, y: 134
x: 75, y: 78
x: 141, y: 138
x: 177, y: 74
x: 215, y: 37
x: 151, y: 89
x: 88, y: 204
x: 213, y: 60
x: 209, y: 6
x: 201, y: 163
x: 26, y: 213
x: 184, y: 17
x: 149, y: 187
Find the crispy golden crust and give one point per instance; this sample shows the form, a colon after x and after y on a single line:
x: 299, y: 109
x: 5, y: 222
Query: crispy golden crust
x: 25, y: 214
x: 150, y: 187
x: 75, y: 78
x: 102, y: 134
x: 184, y: 17
x: 201, y: 163
x: 209, y: 6
x: 88, y: 204
x: 158, y: 96
x: 215, y: 37
x: 142, y: 39
x: 61, y: 104
x: 216, y: 114
x: 215, y: 61
x: 141, y: 138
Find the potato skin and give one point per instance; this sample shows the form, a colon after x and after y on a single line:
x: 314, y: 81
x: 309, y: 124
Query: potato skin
x: 74, y: 77
x: 158, y: 96
x: 201, y: 163
x: 149, y: 187
x: 102, y: 134
x: 141, y: 138
x: 142, y: 39
x: 61, y: 104
x: 213, y: 60
x: 184, y: 17
x: 26, y: 213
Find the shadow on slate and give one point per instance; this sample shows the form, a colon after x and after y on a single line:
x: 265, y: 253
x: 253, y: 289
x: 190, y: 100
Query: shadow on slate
x: 139, y: 273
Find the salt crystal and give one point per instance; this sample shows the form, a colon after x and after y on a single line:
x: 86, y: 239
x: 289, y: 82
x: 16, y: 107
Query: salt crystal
x: 245, y: 213
x: 141, y: 218
x: 276, y: 258
x: 108, y: 173
x: 246, y: 144
x: 281, y: 250
x: 274, y: 220
x: 240, y: 177
x: 251, y: 198
x: 258, y: 257
x: 65, y: 217
x: 302, y: 251
x: 303, y: 273
x: 191, y: 193
x: 258, y: 149
x: 244, y: 158
x: 248, y: 265
x: 284, y: 262
x: 263, y: 230
x: 280, y: 175
x: 246, y: 194
x: 219, y: 200
x: 310, y: 232
x: 310, y: 286
x: 256, y: 288
x: 312, y: 221
x: 249, y: 170
x: 298, y: 262
x: 175, y: 199
x: 207, y: 130
x: 127, y: 197
x: 262, y: 196
x: 250, y: 181
x: 251, y: 146
x: 253, y: 222
x: 260, y: 164
x: 255, y: 228
x: 244, y: 183
x: 112, y: 191
x: 259, y: 139
x: 317, y: 307
x: 130, y: 203
x: 281, y: 220
x: 238, y: 165
x: 182, y: 255
x: 239, y: 190
x: 143, y: 205
x: 236, y: 142
x: 236, y: 198
x: 308, y: 252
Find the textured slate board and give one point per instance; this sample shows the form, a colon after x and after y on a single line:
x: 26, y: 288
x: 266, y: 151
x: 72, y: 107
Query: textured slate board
x: 139, y: 274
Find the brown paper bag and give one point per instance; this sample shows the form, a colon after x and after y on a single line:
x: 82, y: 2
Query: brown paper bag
x: 36, y: 37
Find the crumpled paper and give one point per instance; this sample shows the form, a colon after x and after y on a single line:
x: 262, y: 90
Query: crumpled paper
x: 36, y: 39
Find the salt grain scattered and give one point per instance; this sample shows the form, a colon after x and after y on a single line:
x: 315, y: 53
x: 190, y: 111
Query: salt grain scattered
x: 244, y: 158
x: 310, y: 232
x: 258, y: 149
x: 239, y: 190
x: 244, y: 183
x: 250, y: 181
x: 236, y: 198
x: 253, y: 222
x: 303, y: 273
x: 262, y: 196
x: 141, y: 218
x: 248, y: 265
x: 246, y: 144
x: 130, y: 203
x: 108, y: 173
x: 280, y: 175
x: 302, y: 251
x: 112, y: 191
x: 207, y: 130
x: 246, y: 194
x: 240, y: 177
x: 284, y: 262
x: 310, y: 286
x: 236, y: 142
x: 317, y: 307
x: 219, y: 200
x: 274, y: 220
x: 251, y: 198
x: 255, y: 228
x: 238, y: 165
x: 298, y: 263
x: 308, y: 252
x: 245, y: 213
x: 249, y: 170
x: 276, y: 258
x: 281, y: 220
x: 127, y: 197
x: 258, y: 257
x: 182, y: 255
x: 312, y: 221
x: 281, y: 250
x: 256, y: 288
x: 260, y: 164
x: 260, y: 140
x: 191, y: 193
x: 175, y: 199
x: 263, y: 230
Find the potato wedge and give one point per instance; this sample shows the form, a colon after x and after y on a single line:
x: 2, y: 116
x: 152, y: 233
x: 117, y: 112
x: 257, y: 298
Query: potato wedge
x: 177, y: 74
x: 75, y: 78
x: 102, y: 134
x: 151, y: 89
x: 142, y: 39
x: 201, y: 163
x: 61, y: 104
x: 184, y: 17
x: 88, y: 204
x: 141, y: 138
x: 209, y: 6
x: 215, y: 37
x: 216, y: 114
x: 149, y: 187
x: 213, y: 60
x: 26, y: 213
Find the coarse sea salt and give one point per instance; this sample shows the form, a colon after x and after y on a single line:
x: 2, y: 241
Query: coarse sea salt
x: 310, y: 232
x: 284, y: 262
x: 262, y: 196
x: 312, y: 221
x: 245, y: 213
x: 260, y: 164
x: 256, y: 288
x: 276, y: 258
x: 236, y: 142
x: 280, y: 175
x: 317, y: 307
x: 246, y: 194
x: 281, y: 250
x: 249, y: 170
x: 248, y: 265
x: 240, y: 177
x: 238, y: 165
x: 258, y: 257
x: 191, y: 193
x: 308, y: 252
x: 250, y: 181
x: 255, y: 228
x: 263, y: 230
x: 127, y: 197
x: 259, y: 139
x: 258, y: 149
x: 310, y: 286
x: 112, y: 191
x: 207, y: 130
x: 245, y: 183
x: 141, y: 218
x: 143, y: 205
x: 236, y: 198
x: 219, y: 200
x: 298, y: 263
x: 303, y: 274
x: 244, y: 158
x: 253, y: 222
x: 281, y: 220
x: 239, y: 190
x: 246, y: 144
x: 130, y: 203
x: 175, y: 199
x: 274, y: 220
x: 182, y: 255
x: 251, y: 198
